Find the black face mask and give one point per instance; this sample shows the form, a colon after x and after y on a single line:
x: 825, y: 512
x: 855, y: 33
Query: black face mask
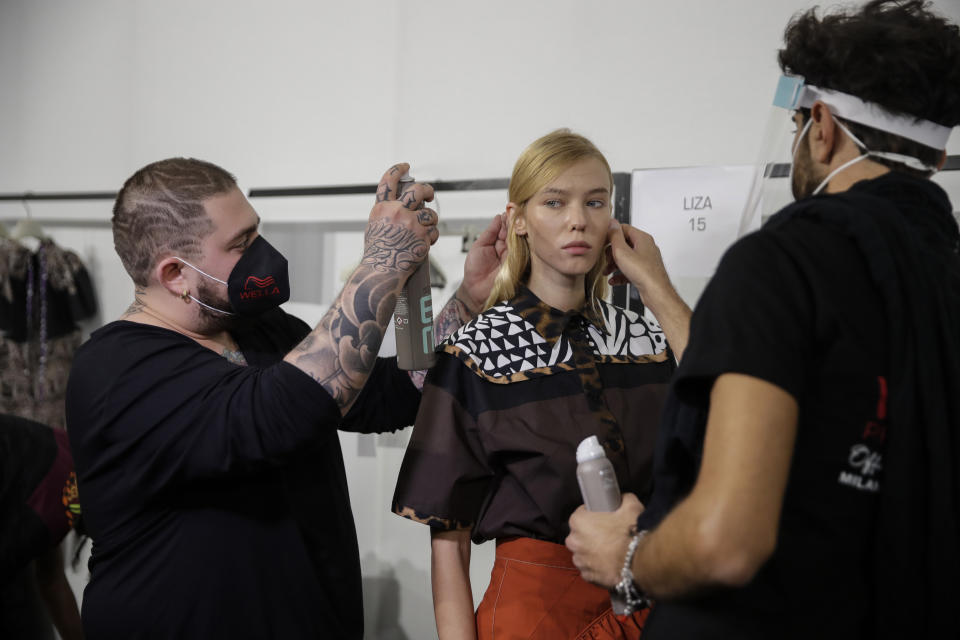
x: 257, y: 283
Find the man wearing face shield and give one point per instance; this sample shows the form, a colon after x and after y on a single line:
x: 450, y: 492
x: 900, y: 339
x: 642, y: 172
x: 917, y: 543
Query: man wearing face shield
x: 807, y: 481
x: 203, y: 422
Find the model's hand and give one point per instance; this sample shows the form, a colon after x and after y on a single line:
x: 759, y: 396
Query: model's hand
x: 482, y: 264
x: 599, y: 540
x: 400, y: 229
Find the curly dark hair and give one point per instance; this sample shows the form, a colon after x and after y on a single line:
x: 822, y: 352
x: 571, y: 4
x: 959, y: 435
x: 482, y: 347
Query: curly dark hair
x: 895, y: 53
x: 159, y: 211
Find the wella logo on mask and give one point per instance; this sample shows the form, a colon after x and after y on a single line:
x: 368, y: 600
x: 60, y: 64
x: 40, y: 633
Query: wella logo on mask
x: 260, y: 288
x: 260, y: 283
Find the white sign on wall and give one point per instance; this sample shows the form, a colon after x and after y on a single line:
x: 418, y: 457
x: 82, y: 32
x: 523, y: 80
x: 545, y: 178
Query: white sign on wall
x: 693, y: 213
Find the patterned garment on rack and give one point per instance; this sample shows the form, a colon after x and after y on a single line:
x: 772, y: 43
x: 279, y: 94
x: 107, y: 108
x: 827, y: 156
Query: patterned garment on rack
x: 26, y: 394
x: 43, y: 294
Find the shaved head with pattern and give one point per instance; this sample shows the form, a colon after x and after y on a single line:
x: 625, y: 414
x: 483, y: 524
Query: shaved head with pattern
x: 159, y: 212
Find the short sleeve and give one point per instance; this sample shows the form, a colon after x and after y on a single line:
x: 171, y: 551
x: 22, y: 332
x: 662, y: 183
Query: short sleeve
x: 755, y: 317
x: 445, y: 478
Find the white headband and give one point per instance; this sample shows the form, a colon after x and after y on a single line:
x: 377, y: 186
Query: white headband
x: 873, y: 115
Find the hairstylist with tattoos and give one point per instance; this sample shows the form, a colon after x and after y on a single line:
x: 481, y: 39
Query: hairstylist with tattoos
x: 203, y: 422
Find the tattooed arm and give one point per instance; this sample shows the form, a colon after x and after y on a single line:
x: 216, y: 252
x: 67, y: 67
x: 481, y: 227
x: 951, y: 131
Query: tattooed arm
x: 341, y: 351
x: 479, y: 271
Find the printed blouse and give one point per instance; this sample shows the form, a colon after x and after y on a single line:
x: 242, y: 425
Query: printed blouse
x: 511, y: 396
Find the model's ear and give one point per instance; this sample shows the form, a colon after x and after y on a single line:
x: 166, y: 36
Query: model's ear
x: 516, y: 223
x: 169, y: 273
x: 824, y: 134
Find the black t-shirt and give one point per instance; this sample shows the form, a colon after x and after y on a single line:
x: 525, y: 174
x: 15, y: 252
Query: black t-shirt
x: 215, y: 494
x: 794, y: 306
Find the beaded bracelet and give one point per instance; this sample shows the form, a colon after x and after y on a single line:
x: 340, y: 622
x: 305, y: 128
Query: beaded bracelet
x: 635, y: 600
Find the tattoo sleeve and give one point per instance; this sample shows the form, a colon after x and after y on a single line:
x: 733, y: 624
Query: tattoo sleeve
x: 341, y: 351
x: 452, y: 316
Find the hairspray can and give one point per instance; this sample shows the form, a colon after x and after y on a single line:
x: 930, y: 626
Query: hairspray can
x: 600, y: 490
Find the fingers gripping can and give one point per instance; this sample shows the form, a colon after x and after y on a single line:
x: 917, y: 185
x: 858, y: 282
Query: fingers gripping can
x: 600, y: 491
x: 413, y: 318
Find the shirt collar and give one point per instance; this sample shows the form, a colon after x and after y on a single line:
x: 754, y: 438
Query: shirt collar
x: 538, y: 313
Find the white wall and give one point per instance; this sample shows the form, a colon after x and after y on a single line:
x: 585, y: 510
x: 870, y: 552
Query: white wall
x: 304, y: 93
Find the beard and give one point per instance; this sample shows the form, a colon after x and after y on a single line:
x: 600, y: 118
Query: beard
x: 212, y: 321
x: 805, y: 180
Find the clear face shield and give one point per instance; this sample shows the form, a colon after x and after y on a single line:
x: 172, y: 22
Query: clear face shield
x: 770, y: 188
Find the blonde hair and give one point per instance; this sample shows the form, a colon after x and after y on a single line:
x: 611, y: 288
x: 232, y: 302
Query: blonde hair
x: 539, y: 165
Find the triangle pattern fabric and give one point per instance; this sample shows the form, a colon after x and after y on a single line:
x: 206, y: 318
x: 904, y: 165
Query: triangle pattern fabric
x: 485, y: 340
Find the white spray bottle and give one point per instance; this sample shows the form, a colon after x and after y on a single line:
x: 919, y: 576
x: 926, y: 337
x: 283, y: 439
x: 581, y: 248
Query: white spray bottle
x: 600, y: 490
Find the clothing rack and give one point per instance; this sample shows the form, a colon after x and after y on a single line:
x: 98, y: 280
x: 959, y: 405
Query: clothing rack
x: 453, y: 226
x: 450, y: 226
x: 273, y: 192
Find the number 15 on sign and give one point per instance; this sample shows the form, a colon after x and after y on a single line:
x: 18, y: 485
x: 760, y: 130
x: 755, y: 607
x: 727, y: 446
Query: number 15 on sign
x: 692, y: 213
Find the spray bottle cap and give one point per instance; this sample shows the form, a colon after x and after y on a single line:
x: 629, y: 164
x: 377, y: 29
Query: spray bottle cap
x: 590, y: 449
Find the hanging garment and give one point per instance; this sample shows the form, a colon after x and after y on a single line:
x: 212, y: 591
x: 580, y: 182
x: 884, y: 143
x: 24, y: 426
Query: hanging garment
x: 43, y: 294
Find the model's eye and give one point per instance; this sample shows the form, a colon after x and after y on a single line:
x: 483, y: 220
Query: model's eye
x: 553, y: 204
x: 597, y: 204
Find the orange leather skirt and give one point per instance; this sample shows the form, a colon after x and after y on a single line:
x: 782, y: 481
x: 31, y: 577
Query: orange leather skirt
x: 536, y: 593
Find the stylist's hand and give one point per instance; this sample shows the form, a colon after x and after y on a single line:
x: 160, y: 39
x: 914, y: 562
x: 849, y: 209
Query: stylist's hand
x: 633, y: 256
x: 400, y: 229
x: 599, y: 540
x: 482, y: 264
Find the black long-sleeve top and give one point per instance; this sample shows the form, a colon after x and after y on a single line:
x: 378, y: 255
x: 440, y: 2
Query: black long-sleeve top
x: 216, y: 494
